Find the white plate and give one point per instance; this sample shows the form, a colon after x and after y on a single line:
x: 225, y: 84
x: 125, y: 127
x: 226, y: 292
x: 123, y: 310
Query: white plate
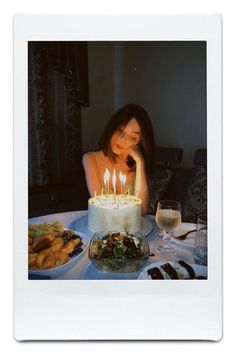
x: 81, y: 224
x: 199, y: 270
x: 185, y: 227
x: 53, y: 272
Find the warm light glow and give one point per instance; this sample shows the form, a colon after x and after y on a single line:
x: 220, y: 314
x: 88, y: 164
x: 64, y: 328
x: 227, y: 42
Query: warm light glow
x: 121, y: 176
x: 106, y: 176
x: 124, y: 179
x: 106, y: 179
x: 114, y: 181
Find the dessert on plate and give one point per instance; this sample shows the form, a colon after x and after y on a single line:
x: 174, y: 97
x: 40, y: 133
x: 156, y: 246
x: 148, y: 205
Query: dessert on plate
x: 172, y: 270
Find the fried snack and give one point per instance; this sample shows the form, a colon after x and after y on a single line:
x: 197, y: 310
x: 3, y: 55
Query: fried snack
x: 76, y: 241
x: 46, y: 260
x: 57, y: 244
x: 43, y: 242
x: 61, y: 257
x: 69, y: 247
x: 47, y: 251
x: 30, y: 241
x: 50, y: 246
x: 33, y: 259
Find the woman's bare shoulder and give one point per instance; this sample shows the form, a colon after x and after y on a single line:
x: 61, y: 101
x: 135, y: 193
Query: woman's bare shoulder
x: 88, y: 154
x: 88, y: 157
x: 91, y: 156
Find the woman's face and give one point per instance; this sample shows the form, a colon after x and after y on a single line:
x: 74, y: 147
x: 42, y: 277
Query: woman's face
x: 126, y: 137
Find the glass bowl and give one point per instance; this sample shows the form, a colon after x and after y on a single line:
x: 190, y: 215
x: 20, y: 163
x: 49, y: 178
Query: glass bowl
x: 112, y: 251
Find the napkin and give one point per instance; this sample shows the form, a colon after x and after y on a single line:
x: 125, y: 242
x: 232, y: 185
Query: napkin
x: 190, y: 239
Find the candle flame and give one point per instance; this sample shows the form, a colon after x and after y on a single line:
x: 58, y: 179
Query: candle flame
x: 121, y: 176
x: 124, y: 179
x: 106, y: 176
x: 114, y: 180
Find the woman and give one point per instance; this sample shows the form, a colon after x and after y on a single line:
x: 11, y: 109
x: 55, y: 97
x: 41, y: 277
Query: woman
x: 126, y: 146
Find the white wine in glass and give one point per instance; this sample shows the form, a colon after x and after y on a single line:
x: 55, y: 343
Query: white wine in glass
x: 168, y: 217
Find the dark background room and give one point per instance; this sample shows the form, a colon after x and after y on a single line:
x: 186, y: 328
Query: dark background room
x: 75, y: 87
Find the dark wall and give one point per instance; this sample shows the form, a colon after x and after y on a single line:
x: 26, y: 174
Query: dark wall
x: 167, y: 78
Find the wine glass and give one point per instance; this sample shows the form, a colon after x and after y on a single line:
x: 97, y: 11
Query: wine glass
x: 168, y: 217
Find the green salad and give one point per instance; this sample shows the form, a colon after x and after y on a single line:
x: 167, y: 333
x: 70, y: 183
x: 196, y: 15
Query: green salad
x: 118, y: 246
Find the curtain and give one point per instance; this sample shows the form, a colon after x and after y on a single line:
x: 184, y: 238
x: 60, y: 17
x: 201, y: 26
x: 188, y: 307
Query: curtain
x: 57, y: 88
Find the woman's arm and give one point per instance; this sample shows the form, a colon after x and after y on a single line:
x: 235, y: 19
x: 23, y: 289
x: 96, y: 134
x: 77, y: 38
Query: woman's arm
x: 141, y: 185
x: 91, y: 173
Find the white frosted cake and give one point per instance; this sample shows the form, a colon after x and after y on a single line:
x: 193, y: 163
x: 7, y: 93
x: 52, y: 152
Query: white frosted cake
x: 119, y: 213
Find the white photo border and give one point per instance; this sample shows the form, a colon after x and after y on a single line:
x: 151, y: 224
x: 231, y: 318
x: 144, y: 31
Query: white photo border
x: 118, y: 309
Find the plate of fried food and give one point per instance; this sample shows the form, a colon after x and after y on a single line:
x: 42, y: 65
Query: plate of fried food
x: 52, y: 249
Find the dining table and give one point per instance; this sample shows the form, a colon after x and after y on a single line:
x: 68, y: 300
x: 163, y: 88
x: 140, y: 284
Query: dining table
x: 84, y: 269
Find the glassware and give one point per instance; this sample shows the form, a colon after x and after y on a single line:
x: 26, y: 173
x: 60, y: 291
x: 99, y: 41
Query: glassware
x: 112, y: 251
x: 201, y: 240
x: 168, y: 217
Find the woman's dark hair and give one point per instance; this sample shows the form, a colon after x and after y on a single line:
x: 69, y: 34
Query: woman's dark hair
x: 121, y: 119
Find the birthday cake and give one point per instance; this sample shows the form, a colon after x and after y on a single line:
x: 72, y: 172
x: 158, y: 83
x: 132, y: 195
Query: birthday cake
x: 114, y: 213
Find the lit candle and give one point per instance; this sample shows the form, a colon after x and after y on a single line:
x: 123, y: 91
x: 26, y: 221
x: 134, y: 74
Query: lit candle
x: 121, y: 182
x: 114, y: 184
x: 106, y: 179
x: 124, y: 181
x: 114, y: 181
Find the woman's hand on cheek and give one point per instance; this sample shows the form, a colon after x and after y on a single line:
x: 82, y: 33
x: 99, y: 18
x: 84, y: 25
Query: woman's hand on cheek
x: 135, y: 152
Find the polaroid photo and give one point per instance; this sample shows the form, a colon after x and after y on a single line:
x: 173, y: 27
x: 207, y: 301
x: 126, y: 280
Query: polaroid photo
x: 117, y: 195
